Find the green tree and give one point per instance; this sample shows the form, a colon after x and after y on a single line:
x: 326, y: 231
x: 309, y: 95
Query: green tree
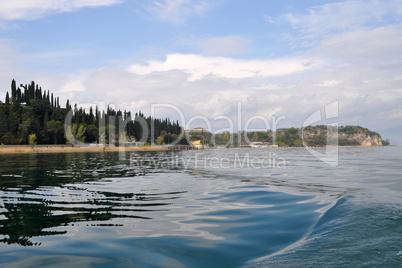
x: 7, y: 98
x: 280, y: 139
x: 3, y: 120
x: 263, y: 136
x: 386, y: 142
x: 298, y: 143
x: 54, y: 128
x: 291, y: 135
x: 91, y: 133
x: 24, y: 126
x: 32, y: 140
x: 106, y: 133
x: 160, y: 140
x: 14, y: 119
x: 80, y: 132
x: 13, y: 91
x: 255, y: 137
x: 39, y: 110
x: 281, y: 144
x: 317, y: 140
x: 226, y: 136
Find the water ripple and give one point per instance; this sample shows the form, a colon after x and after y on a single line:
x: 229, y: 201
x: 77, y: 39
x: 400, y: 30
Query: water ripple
x: 175, y: 209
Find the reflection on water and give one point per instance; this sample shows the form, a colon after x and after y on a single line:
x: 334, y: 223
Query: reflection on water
x: 26, y: 220
x: 170, y: 209
x: 59, y: 190
x: 33, y: 201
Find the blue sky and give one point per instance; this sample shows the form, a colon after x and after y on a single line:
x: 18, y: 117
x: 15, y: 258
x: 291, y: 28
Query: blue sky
x: 276, y: 57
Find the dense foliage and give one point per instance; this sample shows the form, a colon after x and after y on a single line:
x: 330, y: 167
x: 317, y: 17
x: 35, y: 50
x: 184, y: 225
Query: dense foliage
x: 31, y: 110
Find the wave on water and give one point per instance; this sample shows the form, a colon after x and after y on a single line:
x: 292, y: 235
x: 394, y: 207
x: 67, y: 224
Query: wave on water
x: 350, y: 233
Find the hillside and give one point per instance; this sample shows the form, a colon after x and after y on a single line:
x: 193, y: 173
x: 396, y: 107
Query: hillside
x: 348, y: 135
x: 293, y: 137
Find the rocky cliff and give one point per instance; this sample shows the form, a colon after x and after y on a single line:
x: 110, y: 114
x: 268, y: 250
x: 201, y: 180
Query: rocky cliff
x: 362, y: 138
x: 349, y: 135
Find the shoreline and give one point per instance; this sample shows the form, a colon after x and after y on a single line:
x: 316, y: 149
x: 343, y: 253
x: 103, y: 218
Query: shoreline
x: 43, y: 149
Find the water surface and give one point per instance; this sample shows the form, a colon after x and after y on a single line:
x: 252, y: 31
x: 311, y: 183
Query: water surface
x: 212, y: 208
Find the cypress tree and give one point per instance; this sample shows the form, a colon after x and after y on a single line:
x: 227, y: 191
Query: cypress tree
x: 33, y: 89
x: 45, y: 120
x: 47, y: 108
x: 91, y: 116
x: 26, y: 95
x: 83, y: 117
x: 19, y: 96
x: 39, y: 96
x: 13, y: 91
x: 7, y: 98
x: 3, y: 120
x: 97, y: 117
x: 31, y: 92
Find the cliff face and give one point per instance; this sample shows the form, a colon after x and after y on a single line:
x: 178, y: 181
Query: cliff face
x: 362, y: 138
x: 350, y: 135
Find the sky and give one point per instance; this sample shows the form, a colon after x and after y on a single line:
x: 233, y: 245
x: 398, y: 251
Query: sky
x: 211, y: 58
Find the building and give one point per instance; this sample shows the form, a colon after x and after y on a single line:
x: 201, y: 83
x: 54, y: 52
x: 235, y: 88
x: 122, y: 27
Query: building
x: 197, y: 144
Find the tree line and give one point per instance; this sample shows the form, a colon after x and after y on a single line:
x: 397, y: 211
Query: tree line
x: 29, y: 110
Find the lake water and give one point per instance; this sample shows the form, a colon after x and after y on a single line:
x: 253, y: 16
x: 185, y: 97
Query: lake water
x: 211, y: 208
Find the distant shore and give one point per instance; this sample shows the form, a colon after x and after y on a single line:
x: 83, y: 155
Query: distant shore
x: 70, y: 149
x: 26, y: 149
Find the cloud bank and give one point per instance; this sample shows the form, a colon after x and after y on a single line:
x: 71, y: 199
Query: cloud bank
x: 343, y: 16
x: 348, y: 59
x: 34, y: 9
x: 199, y: 67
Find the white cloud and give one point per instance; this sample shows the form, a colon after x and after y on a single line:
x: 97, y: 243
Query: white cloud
x: 177, y: 11
x: 343, y: 15
x: 328, y: 83
x: 358, y: 66
x: 367, y: 96
x: 221, y: 46
x: 34, y: 9
x: 379, y: 45
x: 199, y: 67
x: 374, y: 104
x: 75, y: 83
